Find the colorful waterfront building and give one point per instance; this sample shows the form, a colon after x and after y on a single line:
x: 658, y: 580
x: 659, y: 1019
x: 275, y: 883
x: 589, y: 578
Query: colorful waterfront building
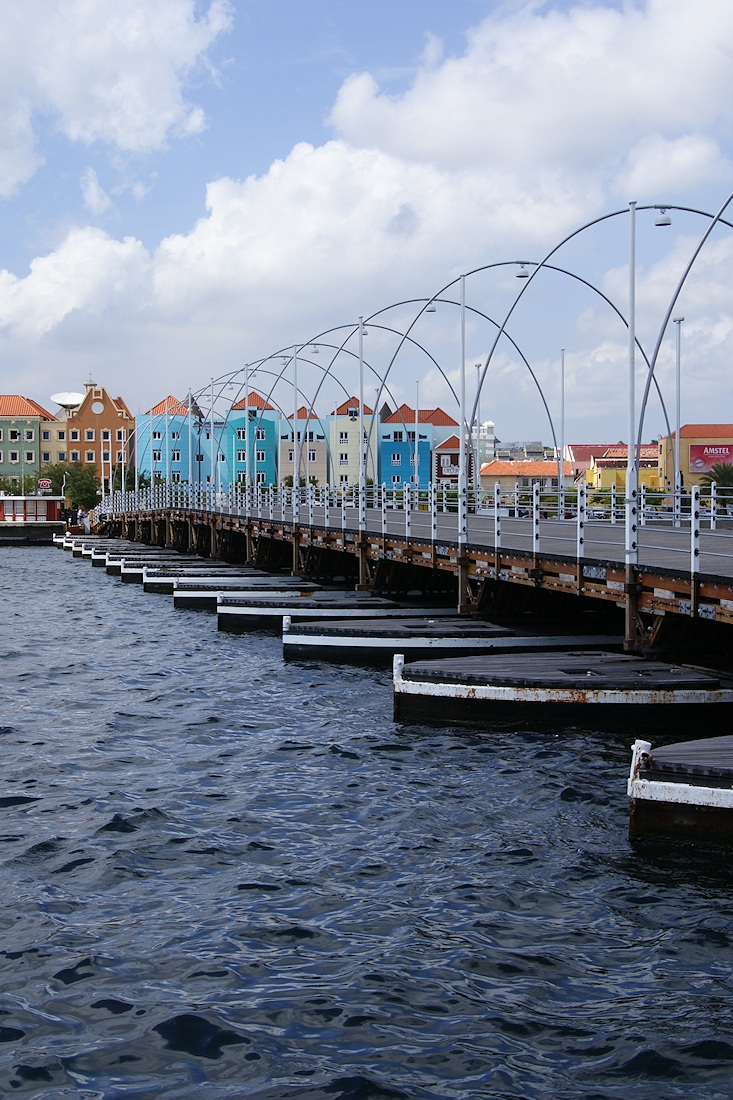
x: 23, y: 425
x: 166, y: 442
x: 343, y: 428
x: 312, y: 448
x: 702, y: 446
x: 406, y: 446
x: 254, y: 424
x: 100, y: 433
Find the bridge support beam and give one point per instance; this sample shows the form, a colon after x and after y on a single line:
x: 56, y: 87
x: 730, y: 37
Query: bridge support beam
x: 632, y: 639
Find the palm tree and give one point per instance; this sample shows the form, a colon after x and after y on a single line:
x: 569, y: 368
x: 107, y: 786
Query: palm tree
x: 721, y: 474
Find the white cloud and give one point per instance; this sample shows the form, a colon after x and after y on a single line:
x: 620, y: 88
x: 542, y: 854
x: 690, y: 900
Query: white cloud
x: 103, y: 70
x: 89, y: 272
x: 554, y: 92
x: 96, y: 198
x: 493, y: 155
x: 688, y: 161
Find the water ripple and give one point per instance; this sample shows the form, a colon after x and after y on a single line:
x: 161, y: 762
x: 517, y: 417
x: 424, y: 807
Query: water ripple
x: 229, y: 877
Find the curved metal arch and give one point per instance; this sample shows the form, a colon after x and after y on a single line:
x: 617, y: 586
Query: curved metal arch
x: 717, y: 219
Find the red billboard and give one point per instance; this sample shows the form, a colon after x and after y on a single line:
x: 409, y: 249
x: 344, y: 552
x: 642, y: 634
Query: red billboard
x: 703, y: 456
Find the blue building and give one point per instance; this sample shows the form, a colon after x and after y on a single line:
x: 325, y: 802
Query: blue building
x: 162, y: 442
x: 398, y: 447
x: 261, y: 438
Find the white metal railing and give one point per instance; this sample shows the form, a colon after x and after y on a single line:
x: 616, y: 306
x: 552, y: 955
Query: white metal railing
x: 539, y: 520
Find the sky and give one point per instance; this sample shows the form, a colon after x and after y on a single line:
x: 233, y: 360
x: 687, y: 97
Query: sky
x: 187, y: 186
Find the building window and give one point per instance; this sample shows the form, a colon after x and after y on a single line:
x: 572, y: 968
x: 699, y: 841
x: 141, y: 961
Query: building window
x: 14, y: 456
x: 175, y: 456
x: 343, y: 437
x: 29, y: 456
x: 241, y: 433
x: 176, y: 476
x: 241, y: 476
x: 1, y: 433
x: 120, y: 456
x: 344, y: 479
x: 46, y: 456
x: 260, y: 456
x: 74, y: 456
x: 120, y: 435
x: 311, y: 455
x: 13, y: 435
x: 30, y: 435
x: 74, y: 435
x: 90, y: 456
x: 62, y: 436
x: 175, y: 435
x: 222, y: 458
x: 395, y: 479
x: 290, y: 455
x: 89, y: 435
x: 105, y: 456
x: 106, y: 435
x: 343, y: 459
x: 260, y: 477
x: 46, y: 436
x: 156, y: 456
x: 260, y: 433
x: 2, y: 457
x: 241, y: 456
x: 396, y: 459
x: 398, y: 437
x: 62, y: 456
x: 410, y: 437
x: 159, y: 435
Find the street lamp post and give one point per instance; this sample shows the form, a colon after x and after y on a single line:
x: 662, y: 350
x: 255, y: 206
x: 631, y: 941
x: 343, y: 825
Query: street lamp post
x: 362, y: 465
x: 462, y: 502
x: 677, y: 457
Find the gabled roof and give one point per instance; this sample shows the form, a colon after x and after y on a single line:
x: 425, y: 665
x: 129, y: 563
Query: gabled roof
x: 170, y: 405
x: 525, y: 467
x: 437, y: 417
x: 351, y: 403
x: 253, y: 400
x: 580, y: 454
x: 304, y: 413
x: 12, y: 404
x: 452, y: 443
x: 620, y: 450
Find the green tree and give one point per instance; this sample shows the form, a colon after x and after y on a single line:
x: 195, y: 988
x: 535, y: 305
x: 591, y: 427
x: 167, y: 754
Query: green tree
x: 722, y: 474
x: 77, y: 483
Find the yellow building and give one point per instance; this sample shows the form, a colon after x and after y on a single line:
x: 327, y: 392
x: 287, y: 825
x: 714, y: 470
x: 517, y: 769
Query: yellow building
x: 702, y: 446
x: 609, y: 469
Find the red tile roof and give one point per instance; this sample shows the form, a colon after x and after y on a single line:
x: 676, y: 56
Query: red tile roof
x: 351, y: 403
x: 581, y: 453
x: 437, y: 417
x: 452, y: 443
x: 706, y: 431
x: 253, y: 400
x: 305, y: 414
x: 524, y: 468
x: 620, y: 450
x: 171, y: 405
x: 12, y: 404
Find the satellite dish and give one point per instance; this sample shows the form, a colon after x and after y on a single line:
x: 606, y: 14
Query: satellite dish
x: 68, y: 400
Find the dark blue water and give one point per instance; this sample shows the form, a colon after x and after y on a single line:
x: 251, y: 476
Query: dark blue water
x: 227, y: 877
